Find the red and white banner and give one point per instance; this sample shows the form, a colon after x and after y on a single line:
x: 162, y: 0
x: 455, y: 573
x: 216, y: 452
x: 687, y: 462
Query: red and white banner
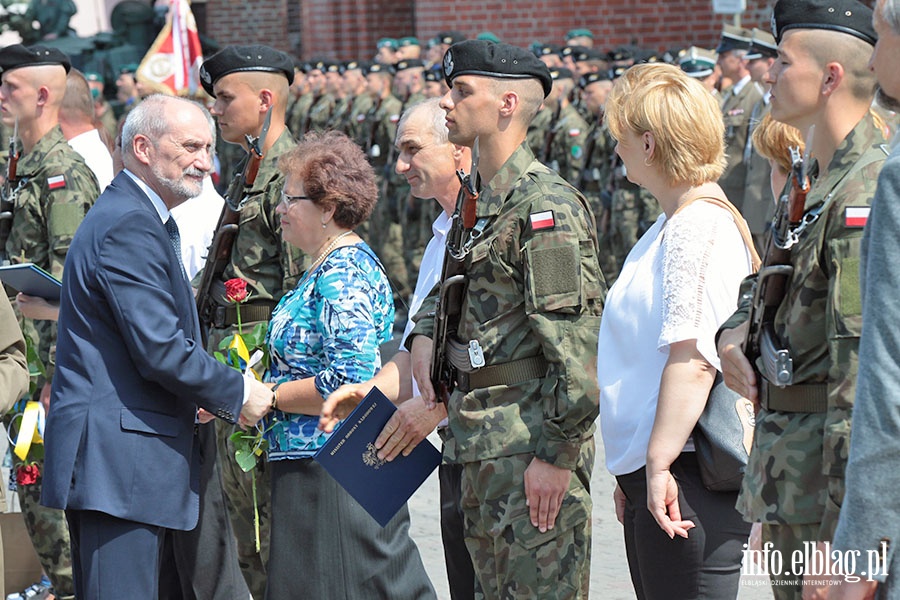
x: 175, y: 57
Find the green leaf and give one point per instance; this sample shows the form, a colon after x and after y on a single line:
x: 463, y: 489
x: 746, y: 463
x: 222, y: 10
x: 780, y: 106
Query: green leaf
x: 246, y: 459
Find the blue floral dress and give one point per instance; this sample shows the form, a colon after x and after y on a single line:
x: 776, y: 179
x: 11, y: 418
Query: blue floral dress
x: 329, y: 327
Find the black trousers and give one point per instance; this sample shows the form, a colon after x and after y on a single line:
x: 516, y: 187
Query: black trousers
x: 460, y: 573
x: 705, y: 565
x: 202, y: 564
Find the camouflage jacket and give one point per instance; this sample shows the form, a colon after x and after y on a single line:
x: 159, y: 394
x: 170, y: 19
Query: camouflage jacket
x: 530, y: 293
x: 270, y: 266
x: 381, y: 129
x: 340, y: 114
x: 599, y: 149
x: 297, y: 113
x: 567, y: 148
x: 320, y: 113
x: 356, y: 121
x: 55, y: 190
x: 796, y: 468
x: 537, y: 130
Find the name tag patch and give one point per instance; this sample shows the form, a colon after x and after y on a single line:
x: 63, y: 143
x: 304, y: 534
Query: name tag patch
x: 542, y: 220
x: 856, y: 216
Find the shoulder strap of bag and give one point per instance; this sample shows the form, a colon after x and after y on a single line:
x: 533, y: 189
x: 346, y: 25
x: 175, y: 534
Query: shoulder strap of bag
x: 755, y: 261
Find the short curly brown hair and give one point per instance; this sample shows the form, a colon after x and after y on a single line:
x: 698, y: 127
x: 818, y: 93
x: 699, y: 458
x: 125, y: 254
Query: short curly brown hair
x: 335, y: 173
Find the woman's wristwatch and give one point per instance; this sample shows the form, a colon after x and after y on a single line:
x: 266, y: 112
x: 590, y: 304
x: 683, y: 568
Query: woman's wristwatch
x: 275, y: 395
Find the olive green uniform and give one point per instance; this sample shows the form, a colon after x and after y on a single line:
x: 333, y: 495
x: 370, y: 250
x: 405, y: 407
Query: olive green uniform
x: 570, y: 133
x: 737, y: 108
x: 534, y: 296
x: 594, y: 182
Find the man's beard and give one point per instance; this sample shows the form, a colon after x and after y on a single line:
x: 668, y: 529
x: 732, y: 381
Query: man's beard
x: 885, y: 101
x: 181, y: 188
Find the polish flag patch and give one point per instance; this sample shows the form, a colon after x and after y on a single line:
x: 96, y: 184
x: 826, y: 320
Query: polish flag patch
x: 856, y: 216
x: 56, y: 182
x: 542, y: 220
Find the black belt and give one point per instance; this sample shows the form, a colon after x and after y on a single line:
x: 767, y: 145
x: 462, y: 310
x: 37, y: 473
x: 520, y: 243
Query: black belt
x: 508, y: 373
x: 809, y: 398
x: 226, y: 316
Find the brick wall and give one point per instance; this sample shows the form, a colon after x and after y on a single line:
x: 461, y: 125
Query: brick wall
x: 347, y: 29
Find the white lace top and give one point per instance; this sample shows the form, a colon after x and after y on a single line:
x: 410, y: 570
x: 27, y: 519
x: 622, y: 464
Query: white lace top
x: 679, y: 282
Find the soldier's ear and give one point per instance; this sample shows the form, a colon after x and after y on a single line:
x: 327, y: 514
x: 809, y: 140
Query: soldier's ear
x: 833, y: 76
x: 43, y: 95
x: 266, y: 99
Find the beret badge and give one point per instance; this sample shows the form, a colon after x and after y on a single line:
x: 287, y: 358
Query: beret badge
x: 448, y: 64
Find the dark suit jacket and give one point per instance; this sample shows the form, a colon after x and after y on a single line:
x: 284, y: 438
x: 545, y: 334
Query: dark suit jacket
x: 130, y: 373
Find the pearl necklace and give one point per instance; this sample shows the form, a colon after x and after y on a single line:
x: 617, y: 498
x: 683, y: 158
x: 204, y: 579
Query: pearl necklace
x: 328, y: 250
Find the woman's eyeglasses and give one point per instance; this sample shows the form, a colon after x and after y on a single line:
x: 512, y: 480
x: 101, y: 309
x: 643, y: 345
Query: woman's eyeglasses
x: 289, y: 201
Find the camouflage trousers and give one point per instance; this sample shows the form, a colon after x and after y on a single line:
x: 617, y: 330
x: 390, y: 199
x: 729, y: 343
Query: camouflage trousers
x: 786, y: 539
x: 633, y: 211
x: 238, y: 488
x: 49, y: 535
x: 512, y: 558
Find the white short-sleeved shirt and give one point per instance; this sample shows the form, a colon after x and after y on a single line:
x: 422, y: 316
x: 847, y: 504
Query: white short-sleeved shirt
x: 679, y: 282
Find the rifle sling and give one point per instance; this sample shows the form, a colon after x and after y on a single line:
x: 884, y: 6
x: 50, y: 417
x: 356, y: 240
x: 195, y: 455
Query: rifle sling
x: 808, y: 398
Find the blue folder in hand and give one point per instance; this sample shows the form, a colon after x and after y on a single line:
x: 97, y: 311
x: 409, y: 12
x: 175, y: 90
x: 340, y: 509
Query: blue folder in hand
x: 31, y: 280
x: 349, y: 456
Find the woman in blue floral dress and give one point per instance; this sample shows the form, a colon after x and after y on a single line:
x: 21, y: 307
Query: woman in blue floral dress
x: 323, y: 334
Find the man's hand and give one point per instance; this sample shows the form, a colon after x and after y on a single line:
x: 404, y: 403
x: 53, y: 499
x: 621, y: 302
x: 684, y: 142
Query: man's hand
x: 662, y: 502
x: 45, y: 397
x: 545, y: 487
x: 204, y: 416
x: 258, y: 404
x: 341, y: 403
x: 619, y: 500
x: 736, y: 369
x: 411, y: 424
x: 34, y: 307
x: 420, y: 359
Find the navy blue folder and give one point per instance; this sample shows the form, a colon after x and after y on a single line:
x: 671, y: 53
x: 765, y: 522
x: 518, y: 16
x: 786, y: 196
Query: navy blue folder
x: 31, y: 280
x: 349, y: 456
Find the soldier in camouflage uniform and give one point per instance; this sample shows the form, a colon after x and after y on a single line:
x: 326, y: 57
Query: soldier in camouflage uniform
x: 794, y: 482
x: 564, y: 144
x: 593, y: 181
x: 632, y: 211
x: 259, y: 256
x: 384, y: 224
x: 532, y: 307
x: 320, y: 110
x: 53, y: 192
x: 355, y: 86
x: 301, y: 100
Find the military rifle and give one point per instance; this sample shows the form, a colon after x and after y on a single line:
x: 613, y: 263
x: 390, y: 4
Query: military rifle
x: 448, y: 309
x: 8, y: 193
x: 770, y: 286
x: 219, y: 256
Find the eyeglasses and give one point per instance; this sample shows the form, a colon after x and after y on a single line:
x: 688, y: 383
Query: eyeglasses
x: 289, y: 201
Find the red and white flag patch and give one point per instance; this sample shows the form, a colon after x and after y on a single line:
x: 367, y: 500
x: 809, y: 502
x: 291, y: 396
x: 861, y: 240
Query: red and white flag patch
x: 542, y: 220
x: 56, y: 182
x: 856, y: 216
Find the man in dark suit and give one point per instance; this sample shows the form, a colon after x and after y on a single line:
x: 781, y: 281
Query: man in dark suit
x: 122, y: 456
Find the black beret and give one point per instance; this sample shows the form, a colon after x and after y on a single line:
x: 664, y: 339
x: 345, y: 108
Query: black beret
x: 233, y: 59
x: 540, y: 49
x: 410, y: 63
x: 377, y: 67
x: 498, y: 60
x: 585, y: 54
x: 18, y: 56
x: 589, y: 78
x: 433, y: 74
x: 845, y: 16
x: 450, y: 37
x: 734, y: 38
x: 619, y: 54
x: 352, y: 65
x: 560, y: 73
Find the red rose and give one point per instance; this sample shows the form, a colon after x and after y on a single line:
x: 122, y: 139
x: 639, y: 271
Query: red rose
x: 236, y: 290
x: 27, y: 474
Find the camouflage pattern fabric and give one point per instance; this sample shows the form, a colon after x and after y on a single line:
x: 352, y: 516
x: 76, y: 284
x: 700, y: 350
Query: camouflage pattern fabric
x: 56, y: 188
x: 512, y: 558
x: 49, y: 533
x: 340, y: 114
x: 594, y: 179
x: 788, y: 539
x: 297, y: 113
x: 568, y: 145
x: 632, y: 211
x: 356, y: 120
x: 531, y: 292
x: 320, y: 113
x: 796, y: 468
x: 537, y: 130
x: 271, y: 268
